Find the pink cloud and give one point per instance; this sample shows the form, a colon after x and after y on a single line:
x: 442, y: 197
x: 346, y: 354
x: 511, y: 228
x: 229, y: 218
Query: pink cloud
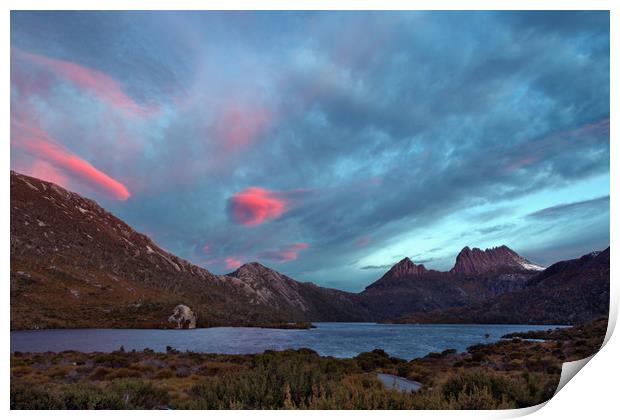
x: 557, y: 142
x: 206, y: 248
x: 521, y: 162
x: 362, y: 241
x: 41, y: 146
x: 237, y: 125
x: 284, y: 254
x: 256, y: 205
x: 47, y: 172
x: 99, y: 84
x: 232, y: 262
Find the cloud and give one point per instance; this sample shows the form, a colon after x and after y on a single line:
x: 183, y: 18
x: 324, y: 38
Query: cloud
x: 232, y: 262
x: 593, y: 206
x: 255, y: 205
x: 362, y: 241
x: 376, y: 267
x: 238, y: 124
x: 46, y: 171
x: 440, y: 123
x: 285, y: 253
x: 93, y: 81
x: 490, y: 229
x: 41, y: 146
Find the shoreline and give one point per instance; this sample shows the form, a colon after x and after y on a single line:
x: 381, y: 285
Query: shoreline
x: 284, y: 326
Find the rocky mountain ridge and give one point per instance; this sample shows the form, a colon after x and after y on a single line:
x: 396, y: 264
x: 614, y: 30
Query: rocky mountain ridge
x: 568, y: 292
x: 492, y: 260
x: 477, y: 275
x: 73, y: 264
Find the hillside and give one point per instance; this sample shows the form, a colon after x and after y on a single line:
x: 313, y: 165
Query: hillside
x: 301, y: 300
x: 75, y: 265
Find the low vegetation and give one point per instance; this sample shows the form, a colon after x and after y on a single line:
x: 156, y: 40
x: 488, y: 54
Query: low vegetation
x: 511, y: 373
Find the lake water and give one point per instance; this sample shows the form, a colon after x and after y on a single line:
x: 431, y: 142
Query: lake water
x: 337, y: 339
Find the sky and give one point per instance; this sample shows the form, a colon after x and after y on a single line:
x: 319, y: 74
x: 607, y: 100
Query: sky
x: 326, y: 145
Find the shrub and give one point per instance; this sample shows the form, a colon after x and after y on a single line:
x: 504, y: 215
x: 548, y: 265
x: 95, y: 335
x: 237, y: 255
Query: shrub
x: 58, y: 372
x: 99, y: 373
x: 477, y: 356
x: 369, y: 361
x: 138, y: 394
x: 123, y: 373
x: 30, y: 396
x: 164, y: 374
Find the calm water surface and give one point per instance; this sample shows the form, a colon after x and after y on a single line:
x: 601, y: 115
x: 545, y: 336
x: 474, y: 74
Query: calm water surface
x: 337, y: 339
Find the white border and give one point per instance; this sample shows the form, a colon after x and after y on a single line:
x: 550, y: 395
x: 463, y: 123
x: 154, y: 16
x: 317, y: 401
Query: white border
x: 592, y: 395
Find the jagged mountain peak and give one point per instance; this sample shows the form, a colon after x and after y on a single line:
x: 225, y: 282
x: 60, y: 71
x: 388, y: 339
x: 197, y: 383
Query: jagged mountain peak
x: 252, y: 266
x: 472, y: 261
x: 405, y: 268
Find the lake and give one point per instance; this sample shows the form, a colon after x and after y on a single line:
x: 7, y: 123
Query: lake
x: 337, y: 339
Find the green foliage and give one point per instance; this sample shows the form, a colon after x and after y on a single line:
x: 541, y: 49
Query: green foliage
x: 370, y: 361
x: 125, y: 394
x: 485, y: 390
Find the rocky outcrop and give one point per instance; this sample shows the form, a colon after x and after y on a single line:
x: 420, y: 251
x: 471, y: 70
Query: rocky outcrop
x: 406, y: 267
x: 184, y: 317
x: 492, y: 260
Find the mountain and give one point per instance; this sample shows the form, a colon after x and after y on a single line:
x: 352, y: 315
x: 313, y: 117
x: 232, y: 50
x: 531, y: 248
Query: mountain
x: 74, y: 265
x: 493, y: 260
x: 568, y: 292
x: 477, y: 275
x: 303, y: 300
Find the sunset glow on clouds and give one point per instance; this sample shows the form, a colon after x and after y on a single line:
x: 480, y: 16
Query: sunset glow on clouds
x: 97, y: 83
x: 256, y: 205
x: 238, y: 125
x: 232, y: 262
x: 285, y: 253
x: 38, y: 144
x: 330, y: 152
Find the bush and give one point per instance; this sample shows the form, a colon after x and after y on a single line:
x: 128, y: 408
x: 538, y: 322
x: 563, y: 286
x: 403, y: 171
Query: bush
x: 477, y: 356
x: 138, y: 394
x: 100, y: 373
x: 30, y: 396
x: 521, y: 392
x: 123, y: 373
x: 369, y: 361
x: 164, y: 374
x: 120, y: 395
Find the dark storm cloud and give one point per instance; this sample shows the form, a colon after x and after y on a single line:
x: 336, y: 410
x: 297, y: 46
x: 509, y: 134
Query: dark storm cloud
x: 365, y: 138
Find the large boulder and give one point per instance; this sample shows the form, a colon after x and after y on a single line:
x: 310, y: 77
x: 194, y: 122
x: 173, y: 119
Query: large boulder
x: 184, y: 317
